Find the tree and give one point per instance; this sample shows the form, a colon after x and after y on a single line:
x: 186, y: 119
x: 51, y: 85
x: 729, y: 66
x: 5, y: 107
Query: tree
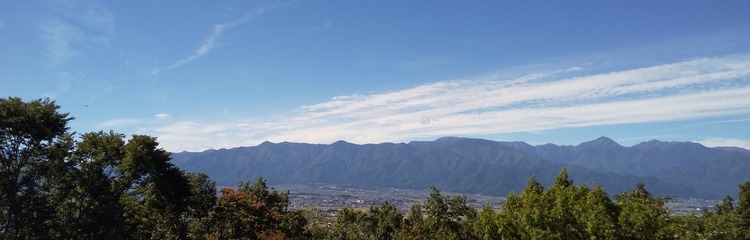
x: 687, y: 227
x: 254, y: 212
x: 379, y: 222
x: 641, y: 215
x: 93, y: 208
x: 566, y: 213
x: 726, y: 222
x: 600, y: 215
x: 512, y: 211
x: 743, y: 206
x: 151, y: 191
x: 29, y: 131
x: 352, y: 224
x: 387, y: 220
x: 486, y: 226
x: 200, y: 204
x: 535, y: 213
x: 726, y: 206
x: 446, y: 218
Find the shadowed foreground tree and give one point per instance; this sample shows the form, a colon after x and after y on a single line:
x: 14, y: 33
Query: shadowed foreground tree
x: 33, y: 145
x: 99, y: 187
x: 123, y: 190
x: 200, y: 205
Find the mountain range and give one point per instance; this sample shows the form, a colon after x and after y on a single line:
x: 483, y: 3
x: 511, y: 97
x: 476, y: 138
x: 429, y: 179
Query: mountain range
x: 478, y: 166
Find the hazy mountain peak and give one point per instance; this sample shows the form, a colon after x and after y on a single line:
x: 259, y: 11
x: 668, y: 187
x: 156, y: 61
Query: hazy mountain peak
x: 668, y: 145
x: 450, y: 139
x: 600, y: 142
x: 342, y: 142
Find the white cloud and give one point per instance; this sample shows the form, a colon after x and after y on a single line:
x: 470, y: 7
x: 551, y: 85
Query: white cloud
x: 61, y: 38
x: 196, y: 136
x: 161, y: 116
x: 74, y: 26
x: 701, y: 88
x: 725, y: 142
x: 120, y: 122
x: 216, y: 32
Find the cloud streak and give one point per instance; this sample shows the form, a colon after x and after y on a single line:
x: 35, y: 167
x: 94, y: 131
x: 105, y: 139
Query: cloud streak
x: 217, y: 31
x: 695, y: 89
x: 61, y: 38
x: 73, y: 28
x: 725, y: 142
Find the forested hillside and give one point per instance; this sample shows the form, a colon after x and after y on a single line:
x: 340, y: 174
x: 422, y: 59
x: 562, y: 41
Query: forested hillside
x: 716, y: 171
x: 55, y: 184
x: 680, y: 169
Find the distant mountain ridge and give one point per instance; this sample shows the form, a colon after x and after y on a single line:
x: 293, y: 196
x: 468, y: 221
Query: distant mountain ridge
x: 716, y: 170
x: 467, y: 165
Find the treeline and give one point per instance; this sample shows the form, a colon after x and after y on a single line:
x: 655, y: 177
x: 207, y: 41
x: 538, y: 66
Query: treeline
x: 563, y: 211
x: 55, y: 184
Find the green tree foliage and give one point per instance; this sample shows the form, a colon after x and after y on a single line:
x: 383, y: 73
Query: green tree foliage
x: 123, y: 189
x: 29, y: 134
x: 688, y: 227
x: 99, y: 187
x: 535, y: 221
x: 200, y: 205
x: 444, y: 218
x: 730, y: 220
x: 641, y: 215
x: 94, y: 207
x: 726, y: 206
x: 158, y: 185
x: 743, y: 206
x: 725, y: 223
x: 599, y: 215
x: 557, y: 213
x: 382, y: 222
x: 563, y: 211
x: 486, y: 227
x: 509, y: 224
x: 567, y: 211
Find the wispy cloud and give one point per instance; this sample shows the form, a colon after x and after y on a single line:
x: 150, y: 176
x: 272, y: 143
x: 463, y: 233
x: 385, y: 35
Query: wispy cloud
x: 74, y: 26
x: 161, y: 116
x: 117, y: 123
x: 61, y: 38
x: 695, y: 89
x: 216, y: 32
x: 725, y: 142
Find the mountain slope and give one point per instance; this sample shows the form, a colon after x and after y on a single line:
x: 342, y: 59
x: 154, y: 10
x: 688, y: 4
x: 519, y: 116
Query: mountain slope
x: 478, y: 166
x: 718, y: 171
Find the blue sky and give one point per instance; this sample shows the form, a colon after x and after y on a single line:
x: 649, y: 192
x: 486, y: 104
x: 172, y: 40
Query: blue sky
x: 209, y: 74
